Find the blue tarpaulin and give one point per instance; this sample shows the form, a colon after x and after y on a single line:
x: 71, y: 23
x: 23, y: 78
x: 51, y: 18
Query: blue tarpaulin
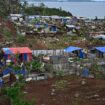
x: 7, y: 51
x: 85, y: 73
x: 101, y: 49
x: 20, y: 72
x: 25, y: 57
x: 53, y: 28
x: 81, y: 54
x: 7, y: 71
x: 71, y: 49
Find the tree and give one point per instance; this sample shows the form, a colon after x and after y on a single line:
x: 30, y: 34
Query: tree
x: 96, y: 18
x: 3, y: 9
x: 9, y: 6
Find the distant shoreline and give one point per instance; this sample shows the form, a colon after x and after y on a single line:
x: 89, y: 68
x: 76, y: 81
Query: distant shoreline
x: 79, y: 9
x: 63, y: 1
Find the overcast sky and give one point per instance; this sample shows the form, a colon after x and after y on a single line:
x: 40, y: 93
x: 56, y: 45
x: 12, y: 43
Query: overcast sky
x: 62, y: 0
x: 98, y: 0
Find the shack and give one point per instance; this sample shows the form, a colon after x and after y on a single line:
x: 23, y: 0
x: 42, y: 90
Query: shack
x: 76, y: 50
x: 24, y: 53
x: 53, y: 28
x: 100, y: 51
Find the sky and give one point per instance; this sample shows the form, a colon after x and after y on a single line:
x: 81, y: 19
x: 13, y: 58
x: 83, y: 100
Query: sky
x: 98, y: 0
x: 64, y: 0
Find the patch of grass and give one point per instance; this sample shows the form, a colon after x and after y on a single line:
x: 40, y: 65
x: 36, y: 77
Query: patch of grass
x: 21, y: 39
x: 71, y: 77
x: 61, y: 84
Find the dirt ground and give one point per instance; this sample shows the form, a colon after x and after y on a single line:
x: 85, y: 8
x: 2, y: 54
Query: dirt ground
x: 66, y: 91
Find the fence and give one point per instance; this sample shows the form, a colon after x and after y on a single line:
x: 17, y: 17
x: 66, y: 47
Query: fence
x: 48, y: 52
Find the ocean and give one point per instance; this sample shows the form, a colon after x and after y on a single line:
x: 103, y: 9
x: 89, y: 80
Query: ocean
x: 79, y: 9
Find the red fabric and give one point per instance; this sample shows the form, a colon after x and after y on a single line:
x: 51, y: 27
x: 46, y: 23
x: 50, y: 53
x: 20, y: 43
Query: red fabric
x: 20, y: 50
x: 9, y: 57
x: 29, y: 57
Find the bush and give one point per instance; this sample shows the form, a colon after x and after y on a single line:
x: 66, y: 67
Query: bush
x: 16, y: 95
x: 7, y: 33
x: 60, y: 73
x: 21, y: 39
x: 37, y: 66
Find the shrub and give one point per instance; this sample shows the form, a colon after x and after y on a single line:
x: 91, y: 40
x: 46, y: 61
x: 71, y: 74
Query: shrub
x: 21, y: 39
x: 16, y: 95
x: 37, y: 66
x: 60, y: 73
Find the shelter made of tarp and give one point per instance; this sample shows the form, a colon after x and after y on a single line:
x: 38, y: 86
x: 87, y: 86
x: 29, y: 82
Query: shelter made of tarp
x: 25, y: 52
x: 99, y: 36
x: 71, y: 49
x: 101, y: 49
x: 18, y: 50
x: 10, y: 70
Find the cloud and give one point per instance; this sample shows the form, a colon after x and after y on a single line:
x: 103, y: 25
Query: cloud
x: 98, y: 0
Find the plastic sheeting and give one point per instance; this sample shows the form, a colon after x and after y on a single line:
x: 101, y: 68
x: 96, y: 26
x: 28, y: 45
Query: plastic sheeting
x: 101, y: 49
x: 71, y: 49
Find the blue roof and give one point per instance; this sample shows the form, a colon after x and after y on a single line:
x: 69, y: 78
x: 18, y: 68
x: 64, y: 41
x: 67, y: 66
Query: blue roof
x: 7, y: 71
x: 101, y: 49
x: 7, y: 51
x: 71, y: 48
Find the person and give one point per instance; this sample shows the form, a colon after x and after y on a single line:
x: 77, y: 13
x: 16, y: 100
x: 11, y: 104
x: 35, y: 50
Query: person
x: 22, y: 66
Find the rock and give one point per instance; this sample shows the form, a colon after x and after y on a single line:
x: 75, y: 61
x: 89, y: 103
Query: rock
x: 28, y: 79
x: 96, y: 95
x: 98, y: 99
x: 83, y: 82
x: 103, y: 99
x: 52, y: 93
x: 53, y: 90
x: 25, y: 92
x: 76, y: 95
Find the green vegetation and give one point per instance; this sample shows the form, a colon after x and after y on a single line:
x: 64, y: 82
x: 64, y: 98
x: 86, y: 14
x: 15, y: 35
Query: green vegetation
x: 60, y: 73
x: 2, y: 9
x: 7, y: 34
x: 16, y: 94
x: 37, y: 66
x: 61, y: 84
x: 9, y: 6
x: 45, y: 11
x: 21, y: 39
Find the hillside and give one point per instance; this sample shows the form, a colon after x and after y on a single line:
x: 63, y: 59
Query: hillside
x: 66, y: 91
x: 46, y: 11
